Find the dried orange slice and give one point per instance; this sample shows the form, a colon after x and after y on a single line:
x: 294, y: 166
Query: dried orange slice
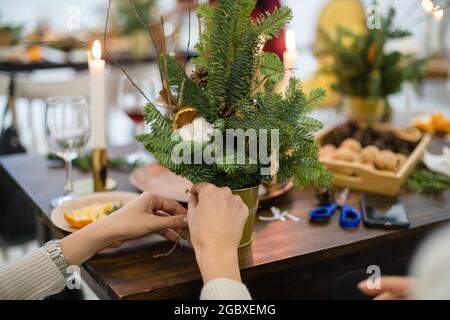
x: 184, y: 116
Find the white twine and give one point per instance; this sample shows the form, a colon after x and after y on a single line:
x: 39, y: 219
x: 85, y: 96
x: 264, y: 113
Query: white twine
x: 278, y: 215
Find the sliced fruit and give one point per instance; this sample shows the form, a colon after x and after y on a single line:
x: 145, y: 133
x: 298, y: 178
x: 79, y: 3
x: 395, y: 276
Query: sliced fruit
x: 184, y: 116
x: 77, y: 222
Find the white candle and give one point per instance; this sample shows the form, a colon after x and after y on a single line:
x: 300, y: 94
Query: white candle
x: 290, y: 57
x: 97, y: 95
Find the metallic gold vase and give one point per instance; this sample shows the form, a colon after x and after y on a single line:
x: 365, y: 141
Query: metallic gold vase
x: 361, y: 109
x: 250, y: 198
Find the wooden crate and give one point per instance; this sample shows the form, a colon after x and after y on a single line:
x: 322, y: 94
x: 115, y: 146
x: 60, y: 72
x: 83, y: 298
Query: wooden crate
x: 357, y: 176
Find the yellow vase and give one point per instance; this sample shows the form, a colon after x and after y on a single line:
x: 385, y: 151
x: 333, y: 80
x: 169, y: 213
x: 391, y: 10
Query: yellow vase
x: 362, y: 109
x: 250, y: 198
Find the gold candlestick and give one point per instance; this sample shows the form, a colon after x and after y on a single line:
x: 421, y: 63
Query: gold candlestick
x: 100, y: 169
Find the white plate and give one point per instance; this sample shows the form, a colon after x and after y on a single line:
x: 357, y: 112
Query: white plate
x: 57, y: 215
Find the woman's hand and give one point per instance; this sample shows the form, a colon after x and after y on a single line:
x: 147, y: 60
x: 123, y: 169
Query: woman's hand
x: 216, y: 220
x: 147, y: 214
x: 391, y: 288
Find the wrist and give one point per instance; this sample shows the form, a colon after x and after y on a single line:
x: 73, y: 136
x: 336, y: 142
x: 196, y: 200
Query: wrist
x: 214, y: 264
x: 83, y: 244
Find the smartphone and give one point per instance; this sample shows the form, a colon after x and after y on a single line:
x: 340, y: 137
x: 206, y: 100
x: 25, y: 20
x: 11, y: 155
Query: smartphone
x: 381, y: 211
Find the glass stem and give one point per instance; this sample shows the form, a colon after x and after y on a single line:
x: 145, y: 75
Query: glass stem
x: 68, y: 187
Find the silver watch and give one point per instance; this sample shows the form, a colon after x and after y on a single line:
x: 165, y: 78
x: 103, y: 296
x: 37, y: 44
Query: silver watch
x: 54, y: 251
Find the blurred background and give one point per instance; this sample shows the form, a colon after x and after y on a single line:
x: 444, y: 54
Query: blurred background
x: 66, y: 22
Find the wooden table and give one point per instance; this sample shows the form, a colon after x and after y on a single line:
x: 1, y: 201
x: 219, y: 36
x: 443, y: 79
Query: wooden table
x: 286, y: 260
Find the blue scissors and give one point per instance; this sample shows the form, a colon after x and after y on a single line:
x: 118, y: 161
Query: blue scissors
x: 349, y: 218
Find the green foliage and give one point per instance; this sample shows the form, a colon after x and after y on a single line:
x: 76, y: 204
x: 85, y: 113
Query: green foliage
x: 362, y: 65
x: 425, y: 181
x: 126, y: 19
x: 229, y: 48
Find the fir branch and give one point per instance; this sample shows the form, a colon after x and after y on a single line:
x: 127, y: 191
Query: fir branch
x: 270, y: 24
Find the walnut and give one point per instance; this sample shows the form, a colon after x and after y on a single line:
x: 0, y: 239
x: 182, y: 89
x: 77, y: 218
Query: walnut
x: 386, y: 160
x: 347, y: 154
x: 327, y: 152
x: 369, y: 154
x: 351, y: 144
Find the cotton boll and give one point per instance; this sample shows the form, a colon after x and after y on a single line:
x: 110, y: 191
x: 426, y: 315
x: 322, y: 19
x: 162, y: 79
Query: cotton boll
x: 199, y: 130
x: 187, y: 132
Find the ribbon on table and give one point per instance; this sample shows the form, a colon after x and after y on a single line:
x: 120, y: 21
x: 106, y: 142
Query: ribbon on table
x: 278, y: 215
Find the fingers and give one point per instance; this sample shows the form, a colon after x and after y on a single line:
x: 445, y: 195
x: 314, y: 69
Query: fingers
x: 193, y: 202
x: 386, y: 296
x: 173, y: 222
x: 200, y: 187
x: 167, y: 205
x: 398, y: 286
x: 169, y: 234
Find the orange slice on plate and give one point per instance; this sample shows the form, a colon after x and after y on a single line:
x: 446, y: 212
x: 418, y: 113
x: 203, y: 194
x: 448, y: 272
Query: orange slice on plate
x: 76, y: 221
x: 82, y: 217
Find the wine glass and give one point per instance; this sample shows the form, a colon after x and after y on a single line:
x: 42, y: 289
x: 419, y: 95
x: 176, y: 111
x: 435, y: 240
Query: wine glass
x: 132, y: 102
x: 67, y: 127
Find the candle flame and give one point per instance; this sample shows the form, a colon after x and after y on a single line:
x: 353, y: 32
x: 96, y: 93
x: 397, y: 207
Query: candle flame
x: 290, y: 40
x: 428, y: 5
x: 97, y: 50
x: 438, y: 13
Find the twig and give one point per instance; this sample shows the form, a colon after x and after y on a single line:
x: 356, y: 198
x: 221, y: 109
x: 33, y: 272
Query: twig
x: 136, y: 13
x: 106, y: 23
x: 118, y: 65
x: 189, y: 37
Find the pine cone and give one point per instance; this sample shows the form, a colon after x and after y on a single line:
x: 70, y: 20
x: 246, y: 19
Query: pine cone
x: 225, y: 110
x: 200, y: 77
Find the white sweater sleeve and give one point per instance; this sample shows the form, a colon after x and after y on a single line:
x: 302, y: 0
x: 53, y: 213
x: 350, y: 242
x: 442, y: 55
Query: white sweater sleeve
x: 34, y: 276
x: 224, y: 289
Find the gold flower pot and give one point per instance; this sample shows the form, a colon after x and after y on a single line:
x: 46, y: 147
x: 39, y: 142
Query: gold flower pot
x: 362, y: 109
x: 250, y: 198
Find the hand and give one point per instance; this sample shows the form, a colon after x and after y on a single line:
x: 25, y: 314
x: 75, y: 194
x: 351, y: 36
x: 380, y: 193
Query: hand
x: 391, y: 288
x: 144, y: 215
x: 216, y: 221
x: 147, y: 214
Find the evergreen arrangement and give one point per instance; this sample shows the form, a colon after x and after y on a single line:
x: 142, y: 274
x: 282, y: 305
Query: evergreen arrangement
x: 364, y: 68
x: 230, y: 88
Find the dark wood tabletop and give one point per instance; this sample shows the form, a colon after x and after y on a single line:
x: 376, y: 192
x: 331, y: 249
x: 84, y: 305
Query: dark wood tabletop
x: 286, y: 259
